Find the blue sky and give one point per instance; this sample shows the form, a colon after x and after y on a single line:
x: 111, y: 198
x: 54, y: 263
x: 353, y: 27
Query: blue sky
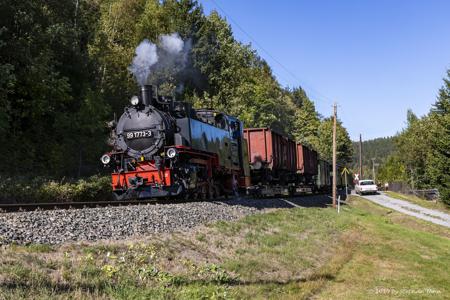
x: 374, y: 58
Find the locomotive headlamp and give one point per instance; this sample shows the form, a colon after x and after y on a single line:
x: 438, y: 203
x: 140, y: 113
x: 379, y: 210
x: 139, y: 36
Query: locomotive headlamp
x: 257, y: 165
x: 134, y: 100
x: 171, y: 152
x: 105, y: 159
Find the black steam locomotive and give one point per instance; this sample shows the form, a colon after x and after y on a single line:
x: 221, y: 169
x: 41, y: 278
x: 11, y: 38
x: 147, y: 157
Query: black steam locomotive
x: 162, y: 147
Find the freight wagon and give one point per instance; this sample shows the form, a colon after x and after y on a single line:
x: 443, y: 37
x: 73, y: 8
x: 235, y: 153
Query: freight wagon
x: 279, y: 166
x: 307, y: 169
x: 323, y: 178
x: 272, y: 160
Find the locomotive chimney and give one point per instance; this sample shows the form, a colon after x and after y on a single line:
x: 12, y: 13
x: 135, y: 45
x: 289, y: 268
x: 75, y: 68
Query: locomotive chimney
x: 147, y: 95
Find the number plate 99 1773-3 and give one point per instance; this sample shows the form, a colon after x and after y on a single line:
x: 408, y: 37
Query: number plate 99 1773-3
x: 138, y: 134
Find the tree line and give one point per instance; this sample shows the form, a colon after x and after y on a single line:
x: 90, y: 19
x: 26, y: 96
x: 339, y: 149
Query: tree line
x: 64, y: 73
x: 422, y: 149
x: 373, y: 151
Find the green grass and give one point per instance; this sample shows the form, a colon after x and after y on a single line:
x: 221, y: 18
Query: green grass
x: 438, y: 205
x: 365, y: 252
x: 398, y: 257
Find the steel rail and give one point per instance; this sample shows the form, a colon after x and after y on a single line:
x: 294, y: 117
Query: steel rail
x: 19, y: 207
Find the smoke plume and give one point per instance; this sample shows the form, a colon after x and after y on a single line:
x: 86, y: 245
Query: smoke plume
x: 146, y: 57
x: 162, y: 62
x: 171, y: 43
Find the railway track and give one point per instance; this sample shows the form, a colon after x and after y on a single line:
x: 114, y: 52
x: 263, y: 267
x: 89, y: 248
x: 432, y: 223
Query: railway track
x: 18, y: 207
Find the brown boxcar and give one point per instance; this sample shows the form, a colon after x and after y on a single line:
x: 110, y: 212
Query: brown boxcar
x: 301, y: 158
x: 306, y: 160
x: 270, y: 149
x: 323, y: 181
x: 312, y: 162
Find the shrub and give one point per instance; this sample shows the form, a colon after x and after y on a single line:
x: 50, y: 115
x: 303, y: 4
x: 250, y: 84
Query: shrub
x: 39, y: 189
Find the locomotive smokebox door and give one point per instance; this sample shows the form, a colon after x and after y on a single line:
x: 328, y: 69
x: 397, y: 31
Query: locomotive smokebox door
x: 143, y: 132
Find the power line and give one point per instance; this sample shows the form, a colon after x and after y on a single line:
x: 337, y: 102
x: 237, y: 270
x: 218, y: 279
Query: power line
x: 302, y: 82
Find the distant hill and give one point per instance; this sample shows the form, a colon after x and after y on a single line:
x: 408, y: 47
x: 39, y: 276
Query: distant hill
x: 379, y: 148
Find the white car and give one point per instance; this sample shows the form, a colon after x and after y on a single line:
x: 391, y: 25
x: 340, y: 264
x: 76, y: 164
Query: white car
x: 366, y: 187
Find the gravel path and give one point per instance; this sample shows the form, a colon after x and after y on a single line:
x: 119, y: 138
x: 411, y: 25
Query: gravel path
x: 89, y: 224
x: 411, y: 209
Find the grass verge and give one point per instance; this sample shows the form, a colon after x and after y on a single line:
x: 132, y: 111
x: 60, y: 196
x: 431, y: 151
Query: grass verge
x: 365, y: 252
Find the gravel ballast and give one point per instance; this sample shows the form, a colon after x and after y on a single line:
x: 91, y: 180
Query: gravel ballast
x: 90, y: 224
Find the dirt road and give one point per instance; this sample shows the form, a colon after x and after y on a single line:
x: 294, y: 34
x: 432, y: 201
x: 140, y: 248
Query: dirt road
x: 408, y: 208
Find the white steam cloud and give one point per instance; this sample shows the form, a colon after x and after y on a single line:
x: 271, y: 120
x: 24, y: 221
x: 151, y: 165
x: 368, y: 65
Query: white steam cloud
x: 158, y: 63
x: 146, y: 57
x: 172, y: 43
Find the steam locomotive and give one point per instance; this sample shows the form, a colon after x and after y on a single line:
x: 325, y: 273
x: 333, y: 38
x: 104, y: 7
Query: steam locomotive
x: 166, y: 148
x: 163, y: 148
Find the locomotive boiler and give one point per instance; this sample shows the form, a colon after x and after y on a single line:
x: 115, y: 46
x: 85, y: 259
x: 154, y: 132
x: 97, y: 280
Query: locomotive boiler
x: 162, y: 148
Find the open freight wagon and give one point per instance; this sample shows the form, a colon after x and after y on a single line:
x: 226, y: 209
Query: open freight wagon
x: 307, y: 169
x: 278, y: 165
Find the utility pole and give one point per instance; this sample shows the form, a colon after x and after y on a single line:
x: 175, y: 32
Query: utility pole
x: 334, y: 154
x: 360, y: 158
x: 373, y: 169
